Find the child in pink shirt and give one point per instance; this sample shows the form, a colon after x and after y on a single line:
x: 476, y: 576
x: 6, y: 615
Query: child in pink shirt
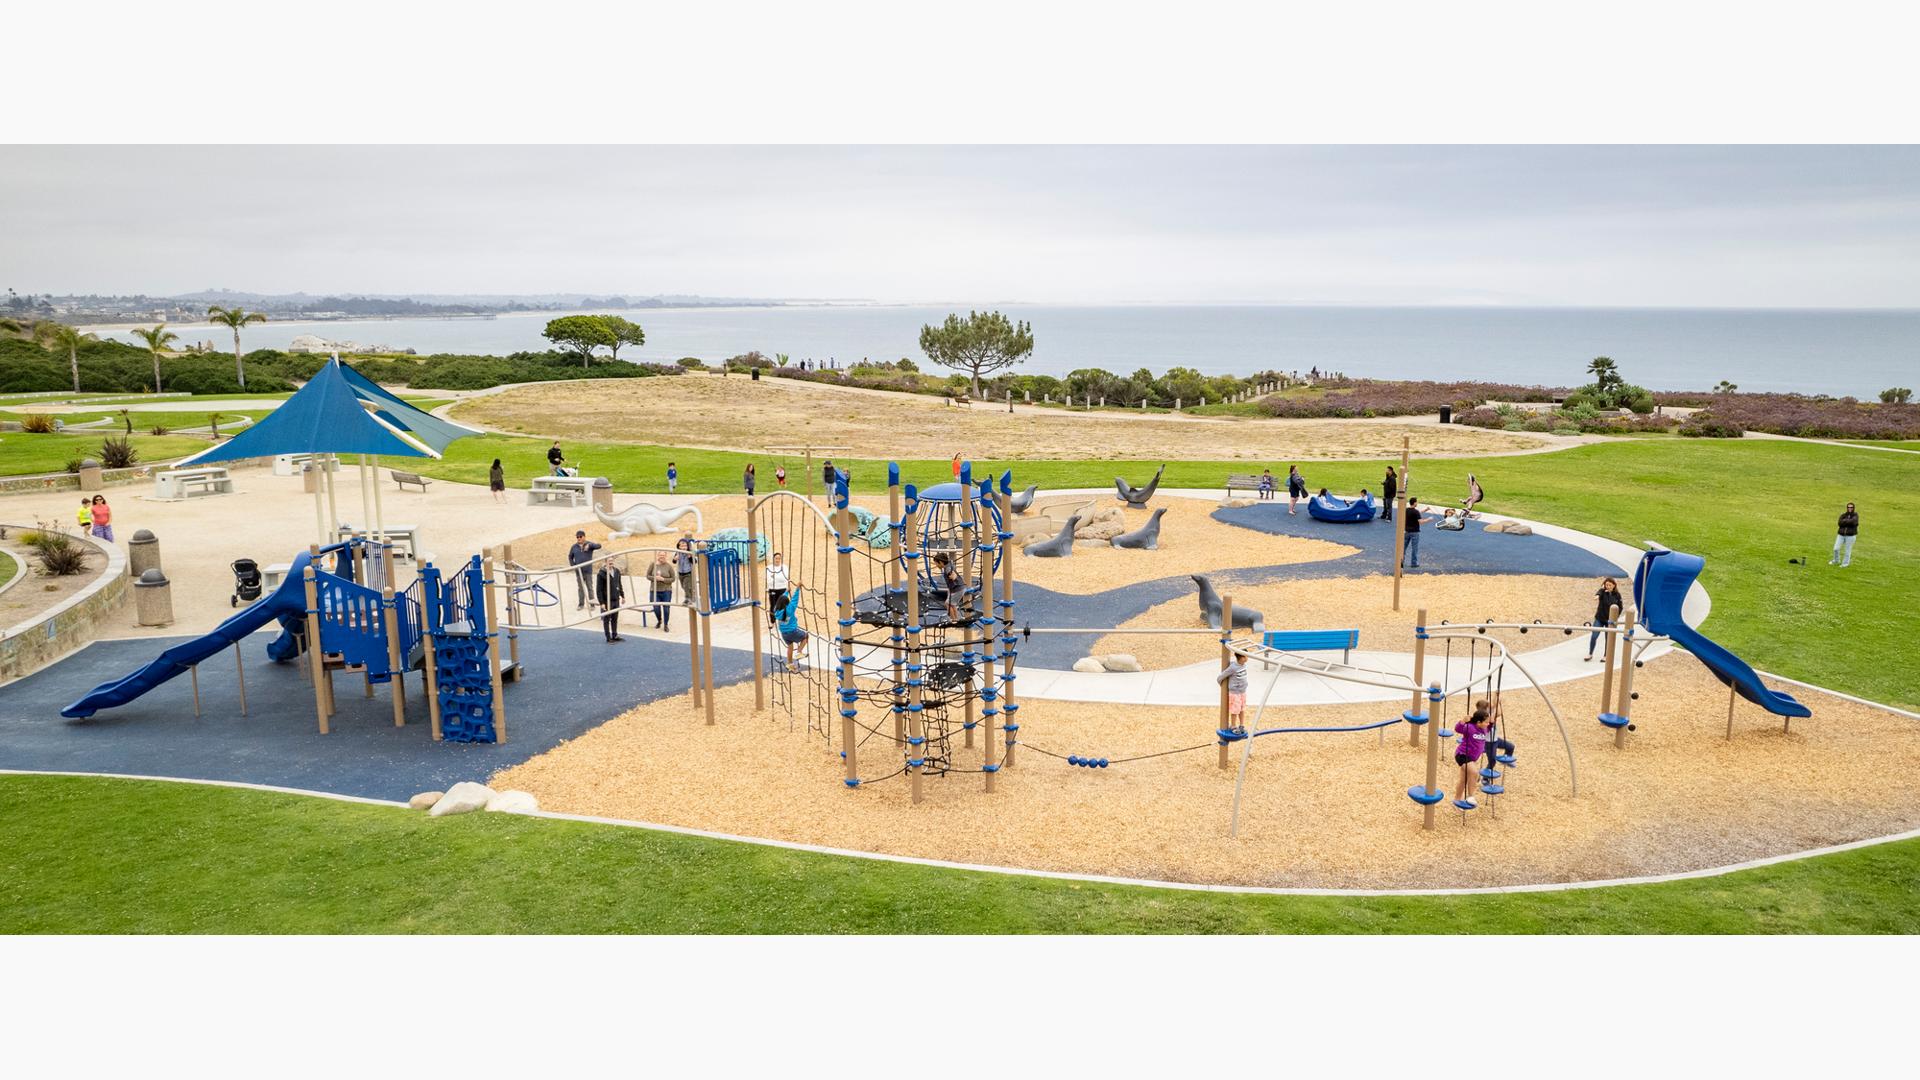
x: 1473, y: 733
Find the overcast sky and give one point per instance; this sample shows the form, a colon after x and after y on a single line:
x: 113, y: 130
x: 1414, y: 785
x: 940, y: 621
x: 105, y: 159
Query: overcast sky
x: 1708, y: 226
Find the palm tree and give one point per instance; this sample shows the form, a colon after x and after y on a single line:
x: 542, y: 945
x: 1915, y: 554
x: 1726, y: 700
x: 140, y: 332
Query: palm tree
x: 55, y: 335
x: 157, y: 339
x: 1725, y: 387
x: 235, y: 318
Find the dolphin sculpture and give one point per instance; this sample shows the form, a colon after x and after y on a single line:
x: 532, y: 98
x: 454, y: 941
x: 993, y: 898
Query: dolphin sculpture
x: 1137, y: 497
x: 1022, y: 502
x: 1210, y: 607
x: 643, y: 519
x: 1060, y: 546
x: 1144, y: 538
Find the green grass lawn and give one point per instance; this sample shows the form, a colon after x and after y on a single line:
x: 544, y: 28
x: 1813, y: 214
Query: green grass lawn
x: 1902, y: 444
x: 22, y: 454
x: 1747, y: 506
x: 83, y: 855
x: 9, y: 566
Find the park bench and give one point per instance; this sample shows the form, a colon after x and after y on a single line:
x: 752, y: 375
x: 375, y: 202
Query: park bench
x: 1313, y: 641
x: 405, y: 478
x: 190, y: 483
x: 1245, y: 482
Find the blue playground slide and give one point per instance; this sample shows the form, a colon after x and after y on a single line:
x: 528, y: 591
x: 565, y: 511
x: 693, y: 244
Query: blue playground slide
x: 288, y: 604
x: 1660, y: 585
x: 1332, y: 508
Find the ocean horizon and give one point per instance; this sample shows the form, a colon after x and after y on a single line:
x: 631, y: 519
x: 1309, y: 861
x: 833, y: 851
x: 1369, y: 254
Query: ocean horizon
x: 1841, y: 352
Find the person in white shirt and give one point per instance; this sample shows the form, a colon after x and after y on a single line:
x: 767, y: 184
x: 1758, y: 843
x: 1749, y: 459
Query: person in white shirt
x: 777, y: 585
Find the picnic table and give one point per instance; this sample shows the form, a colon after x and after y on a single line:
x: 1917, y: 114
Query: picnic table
x: 576, y: 490
x: 190, y: 483
x: 404, y: 538
x: 295, y: 464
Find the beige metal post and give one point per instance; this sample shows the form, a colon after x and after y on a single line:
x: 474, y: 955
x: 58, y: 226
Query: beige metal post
x: 329, y: 467
x: 1606, y: 676
x: 1226, y: 658
x: 1433, y: 755
x: 397, y: 680
x: 313, y: 649
x: 493, y: 651
x: 899, y: 634
x: 1419, y: 674
x: 513, y: 613
x: 1624, y: 709
x: 195, y: 672
x: 1009, y: 709
x: 843, y: 544
x: 916, y: 693
x: 429, y: 665
x: 757, y: 588
x: 240, y: 667
x: 1399, y: 535
x: 703, y: 623
x: 1733, y: 695
x: 987, y: 689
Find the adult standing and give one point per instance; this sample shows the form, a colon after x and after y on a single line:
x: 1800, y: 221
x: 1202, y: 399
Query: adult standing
x: 578, y: 557
x: 1296, y: 488
x: 1843, y: 543
x: 746, y: 478
x: 683, y: 563
x: 611, y: 592
x: 1606, y: 599
x: 1388, y: 489
x: 826, y: 479
x: 1410, y: 553
x: 660, y: 577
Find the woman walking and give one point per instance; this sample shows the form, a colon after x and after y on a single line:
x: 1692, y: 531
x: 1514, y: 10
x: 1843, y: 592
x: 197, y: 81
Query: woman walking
x: 497, y: 482
x: 1606, y: 599
x: 746, y: 478
x: 1842, y: 543
x: 102, y: 515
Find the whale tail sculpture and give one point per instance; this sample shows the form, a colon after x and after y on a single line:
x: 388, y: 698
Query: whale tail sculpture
x: 1210, y: 608
x: 1144, y: 538
x: 644, y: 519
x: 1022, y: 502
x: 1060, y: 546
x: 1138, y: 497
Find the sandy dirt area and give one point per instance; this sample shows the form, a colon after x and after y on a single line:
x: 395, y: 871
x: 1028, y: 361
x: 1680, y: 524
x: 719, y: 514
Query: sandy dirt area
x: 736, y: 413
x: 36, y: 591
x: 1320, y: 810
x: 1366, y: 603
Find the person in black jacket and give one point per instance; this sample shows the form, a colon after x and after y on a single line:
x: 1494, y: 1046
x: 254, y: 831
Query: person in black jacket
x: 1843, y: 543
x: 578, y: 557
x: 1388, y: 489
x: 1606, y: 598
x: 611, y: 591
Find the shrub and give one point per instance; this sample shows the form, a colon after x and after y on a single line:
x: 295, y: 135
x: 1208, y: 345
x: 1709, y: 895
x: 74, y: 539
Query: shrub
x: 58, y: 553
x: 72, y: 465
x: 691, y: 363
x: 1702, y: 425
x: 158, y: 429
x: 37, y: 423
x: 118, y: 453
x: 1638, y: 400
x: 1896, y: 395
x: 1537, y: 423
x: 749, y: 361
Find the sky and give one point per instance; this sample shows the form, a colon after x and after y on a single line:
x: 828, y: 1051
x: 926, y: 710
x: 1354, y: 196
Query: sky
x: 1791, y: 226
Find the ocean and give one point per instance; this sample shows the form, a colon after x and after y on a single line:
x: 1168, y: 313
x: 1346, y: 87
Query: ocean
x: 1806, y: 351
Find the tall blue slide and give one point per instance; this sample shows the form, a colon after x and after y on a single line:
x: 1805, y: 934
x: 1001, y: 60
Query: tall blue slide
x: 1660, y: 585
x: 288, y: 604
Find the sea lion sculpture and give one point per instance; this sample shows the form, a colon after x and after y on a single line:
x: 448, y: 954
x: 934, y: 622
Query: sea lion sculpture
x: 1137, y: 497
x: 1144, y: 538
x: 1022, y: 502
x: 644, y: 519
x: 1210, y: 607
x: 1060, y: 546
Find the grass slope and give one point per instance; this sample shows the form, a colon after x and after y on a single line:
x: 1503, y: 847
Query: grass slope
x: 9, y: 566
x: 1747, y: 506
x: 84, y: 855
x: 27, y: 455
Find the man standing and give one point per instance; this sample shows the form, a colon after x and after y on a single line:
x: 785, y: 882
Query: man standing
x: 1843, y: 543
x: 660, y: 578
x: 578, y: 556
x: 555, y: 459
x: 683, y: 564
x: 1410, y: 554
x: 826, y: 480
x: 611, y: 592
x: 1388, y: 489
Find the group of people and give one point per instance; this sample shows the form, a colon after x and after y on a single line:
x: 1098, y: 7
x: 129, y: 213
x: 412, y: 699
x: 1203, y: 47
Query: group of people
x: 95, y: 517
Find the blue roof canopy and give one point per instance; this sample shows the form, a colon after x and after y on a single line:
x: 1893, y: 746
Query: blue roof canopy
x: 339, y: 411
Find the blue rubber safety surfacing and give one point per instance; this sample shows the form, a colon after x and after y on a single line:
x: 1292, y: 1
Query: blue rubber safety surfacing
x: 575, y: 682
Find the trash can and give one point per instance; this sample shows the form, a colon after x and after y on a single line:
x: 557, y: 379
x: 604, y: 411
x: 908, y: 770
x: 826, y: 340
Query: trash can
x: 603, y: 494
x: 309, y: 478
x: 143, y: 553
x: 1446, y: 414
x: 153, y: 599
x: 91, y: 477
x: 756, y: 374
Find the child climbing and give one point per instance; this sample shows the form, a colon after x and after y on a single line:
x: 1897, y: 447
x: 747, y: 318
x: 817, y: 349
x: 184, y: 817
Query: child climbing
x: 1234, y: 676
x: 1473, y: 743
x: 950, y: 582
x: 777, y: 584
x: 787, y: 618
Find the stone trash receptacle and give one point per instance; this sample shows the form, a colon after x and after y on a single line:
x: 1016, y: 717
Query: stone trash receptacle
x: 91, y: 476
x: 603, y: 494
x: 143, y: 553
x: 309, y: 478
x: 153, y: 599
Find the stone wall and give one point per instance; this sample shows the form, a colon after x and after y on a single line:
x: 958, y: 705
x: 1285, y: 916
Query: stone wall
x: 139, y: 474
x: 49, y: 635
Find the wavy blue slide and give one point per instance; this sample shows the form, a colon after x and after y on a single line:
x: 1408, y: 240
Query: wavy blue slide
x: 1660, y: 585
x: 288, y: 604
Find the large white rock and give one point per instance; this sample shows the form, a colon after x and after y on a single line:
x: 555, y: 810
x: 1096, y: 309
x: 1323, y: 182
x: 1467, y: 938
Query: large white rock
x: 1119, y: 662
x: 424, y: 800
x: 1089, y: 664
x: 462, y: 798
x: 512, y: 802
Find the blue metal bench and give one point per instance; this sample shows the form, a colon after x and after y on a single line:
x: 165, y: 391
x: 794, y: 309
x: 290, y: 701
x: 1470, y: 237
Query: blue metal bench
x: 1313, y: 641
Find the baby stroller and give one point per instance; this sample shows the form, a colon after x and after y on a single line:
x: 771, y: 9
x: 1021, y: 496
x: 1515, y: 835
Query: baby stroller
x: 246, y: 582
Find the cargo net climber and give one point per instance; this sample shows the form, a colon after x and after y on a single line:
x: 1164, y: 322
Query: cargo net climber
x: 893, y: 635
